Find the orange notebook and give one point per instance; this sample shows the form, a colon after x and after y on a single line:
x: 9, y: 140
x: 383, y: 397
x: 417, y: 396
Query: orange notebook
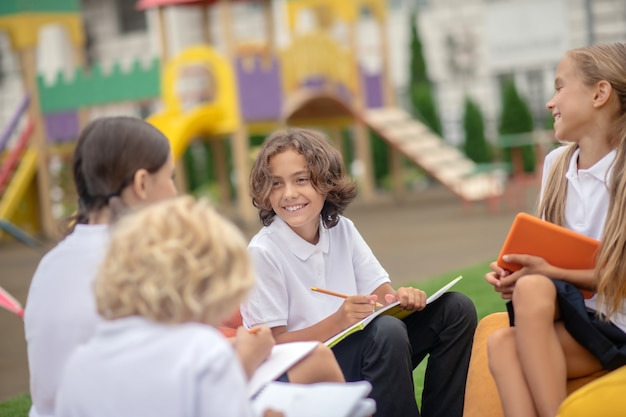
x: 558, y: 245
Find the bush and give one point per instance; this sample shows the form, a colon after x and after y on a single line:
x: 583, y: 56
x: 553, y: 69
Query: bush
x: 421, y: 94
x: 475, y: 146
x: 516, y: 118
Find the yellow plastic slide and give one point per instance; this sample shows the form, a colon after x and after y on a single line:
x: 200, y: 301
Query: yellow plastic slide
x: 19, y: 183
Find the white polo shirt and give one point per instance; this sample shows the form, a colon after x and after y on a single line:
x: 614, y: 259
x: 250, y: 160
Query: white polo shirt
x: 60, y: 311
x: 287, y: 266
x: 587, y: 203
x: 134, y: 367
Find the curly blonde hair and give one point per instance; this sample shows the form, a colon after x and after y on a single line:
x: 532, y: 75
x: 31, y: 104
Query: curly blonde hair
x: 173, y: 262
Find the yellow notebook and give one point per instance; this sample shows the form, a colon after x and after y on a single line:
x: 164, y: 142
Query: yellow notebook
x: 558, y: 245
x: 393, y: 309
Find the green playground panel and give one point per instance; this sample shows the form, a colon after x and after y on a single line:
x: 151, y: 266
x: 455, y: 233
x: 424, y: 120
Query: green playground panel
x: 8, y: 7
x: 97, y: 87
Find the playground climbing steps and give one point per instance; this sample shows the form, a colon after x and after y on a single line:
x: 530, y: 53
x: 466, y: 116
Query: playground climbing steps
x: 442, y: 161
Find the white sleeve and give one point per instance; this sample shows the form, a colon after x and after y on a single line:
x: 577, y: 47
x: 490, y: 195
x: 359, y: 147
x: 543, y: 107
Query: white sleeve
x: 369, y: 273
x: 268, y: 302
x: 222, y: 389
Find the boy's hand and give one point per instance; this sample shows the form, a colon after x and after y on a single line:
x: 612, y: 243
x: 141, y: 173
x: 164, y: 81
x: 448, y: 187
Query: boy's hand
x: 410, y: 298
x: 253, y: 348
x: 356, y: 308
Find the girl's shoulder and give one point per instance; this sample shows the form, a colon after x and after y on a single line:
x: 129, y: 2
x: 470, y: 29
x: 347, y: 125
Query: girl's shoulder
x: 554, y: 154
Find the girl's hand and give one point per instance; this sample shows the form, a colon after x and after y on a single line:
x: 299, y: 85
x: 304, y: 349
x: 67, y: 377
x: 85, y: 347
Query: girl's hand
x: 494, y: 278
x: 356, y: 308
x: 410, y: 298
x: 530, y: 265
x: 253, y: 348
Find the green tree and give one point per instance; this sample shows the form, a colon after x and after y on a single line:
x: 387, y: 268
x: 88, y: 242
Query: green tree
x: 420, y: 89
x: 517, y: 118
x: 475, y: 146
x: 418, y: 72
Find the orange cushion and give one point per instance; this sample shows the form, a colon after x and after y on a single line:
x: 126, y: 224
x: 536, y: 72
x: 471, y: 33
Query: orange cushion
x: 233, y: 321
x: 481, y: 394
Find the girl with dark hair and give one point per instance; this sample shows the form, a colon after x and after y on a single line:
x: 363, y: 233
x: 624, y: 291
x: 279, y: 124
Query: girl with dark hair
x: 119, y: 164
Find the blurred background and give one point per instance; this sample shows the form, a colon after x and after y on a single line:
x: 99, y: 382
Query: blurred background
x: 436, y: 105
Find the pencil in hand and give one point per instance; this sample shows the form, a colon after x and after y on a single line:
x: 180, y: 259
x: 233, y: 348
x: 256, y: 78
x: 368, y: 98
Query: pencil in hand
x: 254, y: 330
x: 337, y: 294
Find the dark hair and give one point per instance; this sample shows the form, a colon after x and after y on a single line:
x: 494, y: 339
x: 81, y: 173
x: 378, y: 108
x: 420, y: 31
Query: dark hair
x: 108, y: 153
x: 325, y: 168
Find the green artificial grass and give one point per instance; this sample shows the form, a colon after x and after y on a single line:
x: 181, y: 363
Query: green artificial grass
x: 473, y: 285
x: 16, y: 406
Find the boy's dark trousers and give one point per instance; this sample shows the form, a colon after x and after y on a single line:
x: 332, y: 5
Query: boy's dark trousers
x: 387, y: 350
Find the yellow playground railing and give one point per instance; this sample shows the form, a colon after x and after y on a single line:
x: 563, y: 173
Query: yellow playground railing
x: 317, y: 55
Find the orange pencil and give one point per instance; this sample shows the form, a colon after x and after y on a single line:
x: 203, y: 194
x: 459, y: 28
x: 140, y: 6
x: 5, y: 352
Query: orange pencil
x: 337, y: 294
x: 254, y: 330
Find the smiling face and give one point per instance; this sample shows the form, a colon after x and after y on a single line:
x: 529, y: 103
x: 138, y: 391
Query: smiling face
x: 572, y: 103
x: 293, y: 197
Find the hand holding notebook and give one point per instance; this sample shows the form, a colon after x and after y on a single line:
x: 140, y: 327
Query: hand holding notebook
x: 393, y: 309
x: 559, y: 246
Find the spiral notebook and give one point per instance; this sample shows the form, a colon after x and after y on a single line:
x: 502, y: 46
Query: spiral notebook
x: 558, y: 245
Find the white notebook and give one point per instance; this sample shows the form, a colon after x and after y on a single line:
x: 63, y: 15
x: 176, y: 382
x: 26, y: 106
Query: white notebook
x: 326, y: 399
x: 282, y: 358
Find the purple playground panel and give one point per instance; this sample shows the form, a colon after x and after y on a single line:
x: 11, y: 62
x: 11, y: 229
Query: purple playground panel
x: 373, y: 89
x: 261, y: 93
x: 62, y: 126
x: 260, y: 89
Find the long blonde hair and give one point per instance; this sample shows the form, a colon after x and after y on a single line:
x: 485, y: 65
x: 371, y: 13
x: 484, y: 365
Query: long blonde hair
x: 596, y: 63
x: 173, y: 262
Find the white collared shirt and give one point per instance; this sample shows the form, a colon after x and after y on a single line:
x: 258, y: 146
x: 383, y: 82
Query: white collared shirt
x: 60, y: 311
x: 135, y: 367
x: 587, y: 203
x: 287, y: 266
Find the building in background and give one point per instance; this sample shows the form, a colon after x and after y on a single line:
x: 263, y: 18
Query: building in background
x: 470, y: 45
x: 324, y: 63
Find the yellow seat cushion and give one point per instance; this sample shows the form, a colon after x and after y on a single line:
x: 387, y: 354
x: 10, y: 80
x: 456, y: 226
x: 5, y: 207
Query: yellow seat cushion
x: 481, y: 394
x: 606, y: 397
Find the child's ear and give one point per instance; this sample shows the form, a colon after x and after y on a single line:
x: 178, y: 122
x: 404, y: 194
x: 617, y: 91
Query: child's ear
x: 139, y: 184
x: 602, y: 93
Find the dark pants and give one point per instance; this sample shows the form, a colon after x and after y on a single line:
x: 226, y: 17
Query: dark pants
x: 387, y: 350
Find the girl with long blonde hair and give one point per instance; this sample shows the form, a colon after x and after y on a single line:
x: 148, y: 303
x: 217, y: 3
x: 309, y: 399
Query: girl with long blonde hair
x: 558, y: 334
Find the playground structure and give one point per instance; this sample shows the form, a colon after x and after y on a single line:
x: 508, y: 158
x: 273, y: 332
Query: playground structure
x: 224, y: 98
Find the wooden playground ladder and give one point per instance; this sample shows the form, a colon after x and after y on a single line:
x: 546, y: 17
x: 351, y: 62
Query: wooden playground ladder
x: 442, y: 161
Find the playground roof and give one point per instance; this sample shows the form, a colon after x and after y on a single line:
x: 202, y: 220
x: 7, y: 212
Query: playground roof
x: 148, y: 4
